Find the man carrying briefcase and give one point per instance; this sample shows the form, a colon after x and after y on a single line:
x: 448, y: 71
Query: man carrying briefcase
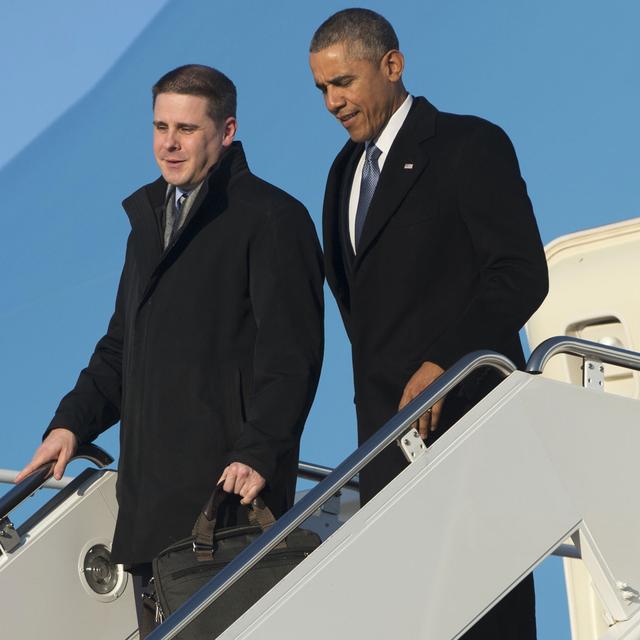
x: 184, y: 567
x: 213, y: 353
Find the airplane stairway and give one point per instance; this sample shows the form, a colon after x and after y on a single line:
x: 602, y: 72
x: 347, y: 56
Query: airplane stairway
x: 57, y: 580
x: 534, y: 462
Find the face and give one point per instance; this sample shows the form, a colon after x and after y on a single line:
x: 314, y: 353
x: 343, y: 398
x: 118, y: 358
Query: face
x: 360, y: 93
x: 186, y: 141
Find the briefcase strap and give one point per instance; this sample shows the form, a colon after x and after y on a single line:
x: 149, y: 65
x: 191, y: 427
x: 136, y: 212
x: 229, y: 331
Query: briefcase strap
x: 259, y: 515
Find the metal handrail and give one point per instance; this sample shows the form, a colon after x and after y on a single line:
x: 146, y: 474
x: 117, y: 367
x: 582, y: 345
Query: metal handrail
x: 318, y: 472
x: 306, y: 470
x: 8, y: 476
x: 35, y: 480
x: 583, y: 349
x: 395, y: 428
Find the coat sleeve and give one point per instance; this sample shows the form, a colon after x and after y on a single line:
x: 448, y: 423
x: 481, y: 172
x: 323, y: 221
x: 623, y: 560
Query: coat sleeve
x: 93, y: 405
x: 286, y: 279
x: 512, y: 280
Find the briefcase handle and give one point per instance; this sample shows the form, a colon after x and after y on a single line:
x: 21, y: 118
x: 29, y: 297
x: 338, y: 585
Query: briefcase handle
x: 258, y: 513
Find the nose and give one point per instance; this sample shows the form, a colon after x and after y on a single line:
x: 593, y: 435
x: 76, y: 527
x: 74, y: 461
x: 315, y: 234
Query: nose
x: 333, y: 99
x: 171, y: 140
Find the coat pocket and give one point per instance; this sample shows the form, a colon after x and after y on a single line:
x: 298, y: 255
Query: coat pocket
x: 241, y: 397
x: 418, y: 208
x: 236, y: 407
x: 407, y: 218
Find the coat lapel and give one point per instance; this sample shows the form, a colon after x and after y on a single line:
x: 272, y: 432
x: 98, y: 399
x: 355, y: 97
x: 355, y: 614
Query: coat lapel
x: 345, y: 195
x: 212, y: 197
x: 407, y: 160
x: 145, y: 209
x: 335, y: 200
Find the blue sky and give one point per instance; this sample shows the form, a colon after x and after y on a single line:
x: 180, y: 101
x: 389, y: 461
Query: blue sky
x: 560, y: 78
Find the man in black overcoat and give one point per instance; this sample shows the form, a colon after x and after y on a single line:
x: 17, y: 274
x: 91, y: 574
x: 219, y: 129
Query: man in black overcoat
x: 431, y: 249
x: 212, y: 356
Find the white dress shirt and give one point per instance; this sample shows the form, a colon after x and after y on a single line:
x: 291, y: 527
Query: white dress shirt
x: 180, y: 192
x: 383, y: 142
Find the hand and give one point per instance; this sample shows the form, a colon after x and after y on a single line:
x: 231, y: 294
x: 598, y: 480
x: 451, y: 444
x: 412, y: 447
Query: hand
x: 418, y: 382
x: 242, y: 480
x: 58, y: 446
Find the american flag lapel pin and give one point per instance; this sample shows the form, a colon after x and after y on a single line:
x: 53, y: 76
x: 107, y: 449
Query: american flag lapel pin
x: 408, y: 165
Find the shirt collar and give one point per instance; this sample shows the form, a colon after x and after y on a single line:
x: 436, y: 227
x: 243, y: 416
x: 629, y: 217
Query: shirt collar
x: 178, y: 192
x: 390, y: 131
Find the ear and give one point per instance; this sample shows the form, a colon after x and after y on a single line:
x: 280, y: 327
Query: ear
x: 392, y: 65
x: 229, y: 131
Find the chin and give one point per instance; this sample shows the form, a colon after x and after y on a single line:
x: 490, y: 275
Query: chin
x: 173, y: 180
x: 357, y: 138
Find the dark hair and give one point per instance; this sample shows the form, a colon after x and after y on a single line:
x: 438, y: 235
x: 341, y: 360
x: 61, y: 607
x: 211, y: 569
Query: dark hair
x: 200, y: 80
x: 366, y: 33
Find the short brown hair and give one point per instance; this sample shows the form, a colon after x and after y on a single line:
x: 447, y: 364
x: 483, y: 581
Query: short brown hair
x: 200, y: 80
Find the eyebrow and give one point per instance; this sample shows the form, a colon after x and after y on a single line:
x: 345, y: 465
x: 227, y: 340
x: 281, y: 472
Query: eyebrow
x: 179, y: 125
x: 337, y: 80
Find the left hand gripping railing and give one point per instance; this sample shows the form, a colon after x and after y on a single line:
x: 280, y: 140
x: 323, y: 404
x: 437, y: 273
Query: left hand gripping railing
x: 9, y: 538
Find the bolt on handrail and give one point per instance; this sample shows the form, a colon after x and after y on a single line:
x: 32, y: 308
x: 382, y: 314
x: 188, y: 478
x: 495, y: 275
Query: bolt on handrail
x: 583, y: 349
x: 316, y: 497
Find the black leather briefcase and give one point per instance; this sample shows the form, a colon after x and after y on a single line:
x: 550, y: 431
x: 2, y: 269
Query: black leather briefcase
x: 182, y: 568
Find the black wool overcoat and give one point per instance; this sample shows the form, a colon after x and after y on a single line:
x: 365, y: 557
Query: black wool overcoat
x: 449, y: 261
x: 212, y: 355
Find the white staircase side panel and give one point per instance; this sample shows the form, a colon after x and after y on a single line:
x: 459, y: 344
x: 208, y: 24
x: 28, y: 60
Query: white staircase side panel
x: 593, y: 295
x: 44, y: 594
x: 586, y: 611
x: 534, y: 462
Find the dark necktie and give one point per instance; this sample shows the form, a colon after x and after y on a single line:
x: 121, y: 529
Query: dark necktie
x: 174, y: 219
x: 180, y: 203
x: 370, y: 175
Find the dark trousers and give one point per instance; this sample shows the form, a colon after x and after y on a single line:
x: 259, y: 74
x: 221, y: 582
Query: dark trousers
x: 513, y: 618
x: 145, y: 605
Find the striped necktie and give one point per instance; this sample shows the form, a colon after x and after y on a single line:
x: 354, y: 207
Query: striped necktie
x: 181, y: 200
x: 370, y: 176
x: 174, y: 219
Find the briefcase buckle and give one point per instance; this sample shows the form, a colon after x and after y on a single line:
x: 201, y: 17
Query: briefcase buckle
x: 203, y: 551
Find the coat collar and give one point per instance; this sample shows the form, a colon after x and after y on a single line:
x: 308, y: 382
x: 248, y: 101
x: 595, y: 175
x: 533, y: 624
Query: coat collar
x: 395, y: 182
x: 151, y: 197
x: 334, y: 227
x: 405, y: 163
x: 145, y: 208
